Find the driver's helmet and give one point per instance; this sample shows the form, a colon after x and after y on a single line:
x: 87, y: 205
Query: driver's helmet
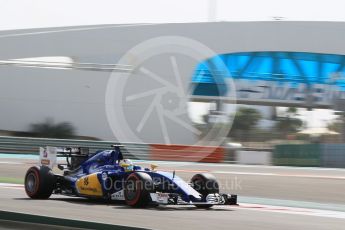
x: 127, y: 164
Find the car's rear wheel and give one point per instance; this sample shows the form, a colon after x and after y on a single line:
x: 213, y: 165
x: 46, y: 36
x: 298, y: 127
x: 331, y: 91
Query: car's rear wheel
x: 137, y: 189
x: 39, y: 182
x: 205, y: 184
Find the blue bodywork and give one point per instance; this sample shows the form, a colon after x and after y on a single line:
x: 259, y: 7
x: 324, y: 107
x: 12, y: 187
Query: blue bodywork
x: 105, y: 164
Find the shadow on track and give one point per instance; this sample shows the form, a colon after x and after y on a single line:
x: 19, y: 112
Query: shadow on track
x: 173, y: 208
x: 76, y: 200
x: 123, y: 205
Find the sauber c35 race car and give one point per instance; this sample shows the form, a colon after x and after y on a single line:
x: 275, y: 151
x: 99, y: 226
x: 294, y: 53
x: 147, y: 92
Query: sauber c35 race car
x: 107, y: 175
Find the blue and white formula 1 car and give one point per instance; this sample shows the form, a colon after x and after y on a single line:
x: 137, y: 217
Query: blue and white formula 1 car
x: 107, y: 175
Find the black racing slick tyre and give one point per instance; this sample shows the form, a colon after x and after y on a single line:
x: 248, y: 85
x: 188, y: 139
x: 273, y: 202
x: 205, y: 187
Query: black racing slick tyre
x: 137, y: 189
x: 39, y: 182
x: 205, y: 184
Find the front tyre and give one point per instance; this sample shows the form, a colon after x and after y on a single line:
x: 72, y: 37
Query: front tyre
x: 205, y: 183
x: 39, y: 182
x: 137, y: 189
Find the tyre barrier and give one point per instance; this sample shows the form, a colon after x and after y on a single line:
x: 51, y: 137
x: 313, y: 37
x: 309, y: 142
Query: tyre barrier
x: 333, y: 155
x: 308, y: 155
x: 311, y: 155
x: 254, y: 157
x: 211, y: 154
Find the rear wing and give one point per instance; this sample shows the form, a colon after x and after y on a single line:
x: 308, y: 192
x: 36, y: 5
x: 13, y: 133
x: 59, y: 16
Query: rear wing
x: 73, y: 151
x: 48, y: 156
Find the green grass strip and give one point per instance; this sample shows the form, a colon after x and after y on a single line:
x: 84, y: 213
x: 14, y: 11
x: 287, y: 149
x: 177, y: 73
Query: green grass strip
x: 11, y: 180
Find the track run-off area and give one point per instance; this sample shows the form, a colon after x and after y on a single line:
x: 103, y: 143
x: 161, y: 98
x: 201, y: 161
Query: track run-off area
x: 269, y: 197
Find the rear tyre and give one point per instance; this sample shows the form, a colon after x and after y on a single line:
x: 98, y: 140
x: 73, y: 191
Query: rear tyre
x: 205, y: 184
x: 137, y: 189
x: 39, y: 182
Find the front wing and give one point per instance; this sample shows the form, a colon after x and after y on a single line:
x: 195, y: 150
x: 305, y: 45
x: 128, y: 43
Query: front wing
x: 211, y: 199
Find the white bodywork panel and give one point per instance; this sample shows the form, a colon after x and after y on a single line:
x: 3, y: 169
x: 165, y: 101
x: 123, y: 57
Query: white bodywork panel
x: 160, y: 198
x: 118, y: 195
x: 47, y: 156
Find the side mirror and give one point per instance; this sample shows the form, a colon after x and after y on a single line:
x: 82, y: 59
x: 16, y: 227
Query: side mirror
x: 153, y: 167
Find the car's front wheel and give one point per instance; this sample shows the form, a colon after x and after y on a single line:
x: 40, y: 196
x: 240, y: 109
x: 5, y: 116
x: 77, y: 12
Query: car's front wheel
x: 205, y: 184
x: 39, y: 182
x: 137, y: 189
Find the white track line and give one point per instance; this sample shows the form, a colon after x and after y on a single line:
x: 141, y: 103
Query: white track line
x: 279, y: 175
x: 11, y: 163
x: 11, y: 186
x: 292, y: 210
x: 244, y: 173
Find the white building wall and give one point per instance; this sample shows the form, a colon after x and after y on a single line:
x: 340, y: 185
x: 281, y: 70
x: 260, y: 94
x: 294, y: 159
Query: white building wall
x: 29, y: 95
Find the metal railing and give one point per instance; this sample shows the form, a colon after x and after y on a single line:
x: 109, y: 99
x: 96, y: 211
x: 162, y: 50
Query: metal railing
x: 31, y: 146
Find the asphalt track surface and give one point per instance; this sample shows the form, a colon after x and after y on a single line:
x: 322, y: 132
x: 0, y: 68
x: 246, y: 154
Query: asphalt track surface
x: 269, y: 198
